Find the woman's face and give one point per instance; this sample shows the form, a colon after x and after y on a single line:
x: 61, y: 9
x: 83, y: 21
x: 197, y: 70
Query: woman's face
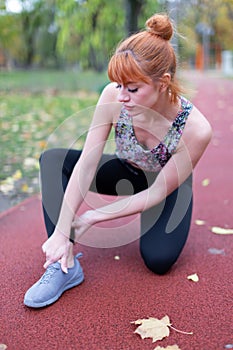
x: 136, y: 94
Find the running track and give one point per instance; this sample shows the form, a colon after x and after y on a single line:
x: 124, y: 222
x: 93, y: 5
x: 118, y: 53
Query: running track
x: 97, y: 314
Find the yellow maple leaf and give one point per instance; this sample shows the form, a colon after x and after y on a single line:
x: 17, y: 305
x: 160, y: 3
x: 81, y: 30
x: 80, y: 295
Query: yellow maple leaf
x: 222, y: 231
x: 194, y: 277
x: 169, y: 347
x: 153, y: 328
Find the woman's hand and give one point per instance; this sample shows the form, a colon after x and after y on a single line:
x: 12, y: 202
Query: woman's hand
x: 56, y: 248
x: 82, y: 223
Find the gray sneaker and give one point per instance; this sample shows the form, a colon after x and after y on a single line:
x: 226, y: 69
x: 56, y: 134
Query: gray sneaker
x: 53, y: 283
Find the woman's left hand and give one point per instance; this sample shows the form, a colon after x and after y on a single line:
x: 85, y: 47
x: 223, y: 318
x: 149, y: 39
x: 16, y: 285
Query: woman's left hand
x: 82, y: 223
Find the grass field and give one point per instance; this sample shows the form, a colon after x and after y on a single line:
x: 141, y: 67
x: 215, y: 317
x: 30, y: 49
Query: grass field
x: 33, y: 105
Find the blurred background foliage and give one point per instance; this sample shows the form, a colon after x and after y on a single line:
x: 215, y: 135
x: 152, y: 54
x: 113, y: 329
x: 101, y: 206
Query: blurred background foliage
x: 83, y: 33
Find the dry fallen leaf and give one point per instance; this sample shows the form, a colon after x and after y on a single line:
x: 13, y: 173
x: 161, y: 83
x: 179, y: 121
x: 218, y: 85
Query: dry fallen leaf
x: 3, y: 347
x: 17, y: 175
x: 155, y: 328
x: 6, y: 187
x: 42, y: 144
x: 194, y: 277
x: 205, y: 182
x: 222, y: 231
x: 24, y: 188
x: 199, y: 222
x: 169, y: 347
x: 216, y: 251
x: 30, y: 163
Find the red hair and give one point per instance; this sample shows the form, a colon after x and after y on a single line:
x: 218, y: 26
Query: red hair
x: 147, y: 56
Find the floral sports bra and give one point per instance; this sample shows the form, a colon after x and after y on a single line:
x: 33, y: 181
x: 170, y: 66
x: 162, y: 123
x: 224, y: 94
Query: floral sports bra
x: 128, y: 147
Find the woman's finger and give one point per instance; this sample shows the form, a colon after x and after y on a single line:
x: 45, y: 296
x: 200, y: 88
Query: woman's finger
x: 63, y: 262
x: 47, y: 263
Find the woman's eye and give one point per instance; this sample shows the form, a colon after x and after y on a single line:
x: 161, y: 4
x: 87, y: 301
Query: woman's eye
x: 130, y: 90
x: 133, y: 90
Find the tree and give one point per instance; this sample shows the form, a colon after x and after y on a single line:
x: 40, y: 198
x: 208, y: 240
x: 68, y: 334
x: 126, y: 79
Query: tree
x: 85, y: 32
x: 30, y: 36
x: 89, y: 31
x: 214, y: 16
x: 30, y: 22
x: 133, y: 9
x: 10, y: 43
x: 39, y: 33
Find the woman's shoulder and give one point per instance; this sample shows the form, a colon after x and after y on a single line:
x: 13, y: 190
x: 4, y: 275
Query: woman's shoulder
x: 109, y: 94
x: 108, y: 104
x: 198, y: 126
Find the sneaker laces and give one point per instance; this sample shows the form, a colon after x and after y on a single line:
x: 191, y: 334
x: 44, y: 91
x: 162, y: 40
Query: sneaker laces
x: 51, y: 270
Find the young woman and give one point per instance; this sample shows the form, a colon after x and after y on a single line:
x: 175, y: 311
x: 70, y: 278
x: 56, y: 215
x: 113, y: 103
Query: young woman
x: 160, y: 136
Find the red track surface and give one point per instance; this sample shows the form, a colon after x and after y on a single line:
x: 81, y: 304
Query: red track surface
x: 97, y: 314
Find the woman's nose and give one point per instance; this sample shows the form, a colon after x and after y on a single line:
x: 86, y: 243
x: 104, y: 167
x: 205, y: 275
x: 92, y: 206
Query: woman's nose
x: 123, y: 95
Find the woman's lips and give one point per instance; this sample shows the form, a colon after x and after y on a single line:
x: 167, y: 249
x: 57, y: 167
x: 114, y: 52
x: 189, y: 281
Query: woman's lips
x: 128, y: 107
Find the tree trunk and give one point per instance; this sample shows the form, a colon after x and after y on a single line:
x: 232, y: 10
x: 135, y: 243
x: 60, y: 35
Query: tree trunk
x: 29, y: 39
x: 133, y: 8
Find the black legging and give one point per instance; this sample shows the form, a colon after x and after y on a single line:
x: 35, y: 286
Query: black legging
x: 164, y: 228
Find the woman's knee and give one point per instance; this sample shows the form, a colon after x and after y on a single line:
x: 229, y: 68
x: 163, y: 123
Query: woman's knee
x: 58, y: 161
x: 51, y: 155
x: 158, y: 264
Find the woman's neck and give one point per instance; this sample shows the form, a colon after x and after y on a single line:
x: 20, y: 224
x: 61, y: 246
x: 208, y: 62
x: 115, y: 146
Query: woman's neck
x: 166, y: 107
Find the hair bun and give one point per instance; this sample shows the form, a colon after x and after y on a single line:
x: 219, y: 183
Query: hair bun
x: 160, y: 24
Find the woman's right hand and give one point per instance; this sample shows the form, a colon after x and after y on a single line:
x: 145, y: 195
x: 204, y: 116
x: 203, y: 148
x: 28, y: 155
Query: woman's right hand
x: 57, y: 248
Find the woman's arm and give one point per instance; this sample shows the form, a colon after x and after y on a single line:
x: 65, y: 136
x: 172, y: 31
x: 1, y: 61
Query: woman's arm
x: 106, y: 111
x: 57, y: 246
x: 173, y: 174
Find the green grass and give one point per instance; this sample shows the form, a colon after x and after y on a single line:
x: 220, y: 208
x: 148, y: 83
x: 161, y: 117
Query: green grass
x: 36, y: 107
x: 36, y: 81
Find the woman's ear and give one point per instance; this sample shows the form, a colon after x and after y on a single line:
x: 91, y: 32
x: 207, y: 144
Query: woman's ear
x: 165, y: 82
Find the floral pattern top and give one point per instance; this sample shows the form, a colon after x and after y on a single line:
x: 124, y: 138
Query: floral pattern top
x: 128, y: 147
